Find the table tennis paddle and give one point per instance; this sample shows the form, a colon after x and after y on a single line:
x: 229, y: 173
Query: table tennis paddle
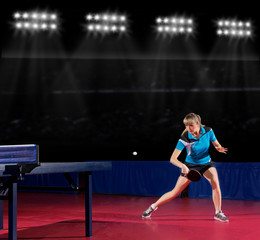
x: 194, y: 175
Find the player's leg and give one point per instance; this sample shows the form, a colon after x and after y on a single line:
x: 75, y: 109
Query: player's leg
x: 212, y: 176
x: 181, y: 184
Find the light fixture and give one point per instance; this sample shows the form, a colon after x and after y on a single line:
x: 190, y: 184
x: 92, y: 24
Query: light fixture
x: 174, y: 25
x: 35, y: 21
x: 105, y: 23
x: 234, y: 28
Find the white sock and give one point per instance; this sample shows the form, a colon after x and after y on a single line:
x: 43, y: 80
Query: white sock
x: 218, y: 211
x: 153, y: 207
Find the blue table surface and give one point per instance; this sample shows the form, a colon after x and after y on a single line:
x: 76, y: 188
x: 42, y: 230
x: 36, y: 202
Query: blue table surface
x: 65, y: 167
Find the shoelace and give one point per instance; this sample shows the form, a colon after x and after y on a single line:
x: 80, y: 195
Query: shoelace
x: 222, y: 214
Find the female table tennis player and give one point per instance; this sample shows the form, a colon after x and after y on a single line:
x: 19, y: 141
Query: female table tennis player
x: 196, y: 138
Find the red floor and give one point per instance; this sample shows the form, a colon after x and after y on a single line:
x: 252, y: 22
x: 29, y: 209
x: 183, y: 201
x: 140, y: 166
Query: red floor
x: 54, y: 216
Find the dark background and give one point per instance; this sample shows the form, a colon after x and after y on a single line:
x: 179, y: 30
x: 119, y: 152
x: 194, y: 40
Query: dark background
x: 82, y: 97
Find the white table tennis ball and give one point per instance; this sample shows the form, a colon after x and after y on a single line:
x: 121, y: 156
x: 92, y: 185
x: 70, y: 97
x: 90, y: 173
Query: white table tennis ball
x: 134, y: 153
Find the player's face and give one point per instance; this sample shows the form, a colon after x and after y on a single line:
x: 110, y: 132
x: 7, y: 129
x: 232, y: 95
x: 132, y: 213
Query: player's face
x: 192, y: 127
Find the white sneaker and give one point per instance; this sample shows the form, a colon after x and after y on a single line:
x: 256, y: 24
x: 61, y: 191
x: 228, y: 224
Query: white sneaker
x: 220, y: 216
x: 148, y: 212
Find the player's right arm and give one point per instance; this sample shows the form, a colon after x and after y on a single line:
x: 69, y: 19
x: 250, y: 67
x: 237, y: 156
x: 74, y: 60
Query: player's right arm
x: 174, y: 160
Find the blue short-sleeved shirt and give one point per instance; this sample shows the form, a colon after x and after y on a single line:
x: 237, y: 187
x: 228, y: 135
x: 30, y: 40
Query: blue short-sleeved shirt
x: 197, y: 149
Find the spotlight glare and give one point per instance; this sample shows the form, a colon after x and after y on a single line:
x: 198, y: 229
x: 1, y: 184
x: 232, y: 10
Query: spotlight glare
x: 89, y: 17
x: 53, y: 17
x: 27, y: 25
x: 90, y: 27
x: 17, y: 15
x: 248, y: 24
x: 158, y: 20
x: 159, y: 28
x: 165, y: 20
x: 53, y: 26
x: 96, y: 17
x: 105, y: 17
x: 105, y: 28
x: 44, y: 26
x: 233, y: 32
x: 114, y: 18
x: 34, y: 15
x: 113, y: 28
x: 44, y: 16
x: 18, y: 25
x: 219, y: 32
x: 189, y: 21
x: 25, y: 15
x: 240, y: 24
x: 227, y: 23
x: 35, y: 26
x: 174, y: 20
x: 182, y: 21
x: 122, y: 28
x: 181, y: 29
x: 122, y: 18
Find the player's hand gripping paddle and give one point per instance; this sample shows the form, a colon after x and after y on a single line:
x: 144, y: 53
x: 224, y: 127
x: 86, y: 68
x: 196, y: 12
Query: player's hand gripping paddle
x: 194, y: 175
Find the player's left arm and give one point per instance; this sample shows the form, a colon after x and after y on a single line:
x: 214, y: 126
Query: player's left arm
x: 219, y: 148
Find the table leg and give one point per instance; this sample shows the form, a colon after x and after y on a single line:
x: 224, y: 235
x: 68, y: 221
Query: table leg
x: 1, y: 215
x: 12, y: 221
x: 88, y: 203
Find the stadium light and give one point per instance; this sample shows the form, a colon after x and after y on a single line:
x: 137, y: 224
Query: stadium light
x: 105, y: 23
x: 234, y: 28
x: 35, y: 21
x: 174, y: 25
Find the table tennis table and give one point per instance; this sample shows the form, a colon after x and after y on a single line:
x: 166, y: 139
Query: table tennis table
x: 18, y: 161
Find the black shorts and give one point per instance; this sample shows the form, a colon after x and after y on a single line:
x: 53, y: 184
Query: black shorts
x: 200, y: 167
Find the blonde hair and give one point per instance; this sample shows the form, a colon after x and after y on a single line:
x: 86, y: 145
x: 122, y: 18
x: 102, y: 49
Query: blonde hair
x: 192, y: 118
